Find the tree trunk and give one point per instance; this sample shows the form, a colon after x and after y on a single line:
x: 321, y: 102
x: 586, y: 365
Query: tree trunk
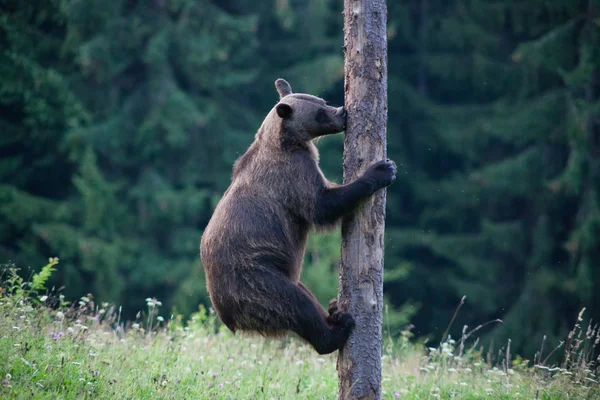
x: 361, y: 270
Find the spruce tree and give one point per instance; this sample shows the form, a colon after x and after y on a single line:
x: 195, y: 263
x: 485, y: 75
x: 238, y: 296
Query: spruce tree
x: 166, y: 83
x: 37, y: 107
x: 485, y: 216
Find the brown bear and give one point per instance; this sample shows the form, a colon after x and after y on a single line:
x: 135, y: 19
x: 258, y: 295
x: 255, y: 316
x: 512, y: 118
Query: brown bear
x: 253, y: 246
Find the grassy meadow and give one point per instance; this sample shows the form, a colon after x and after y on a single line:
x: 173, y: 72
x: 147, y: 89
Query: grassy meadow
x: 50, y: 349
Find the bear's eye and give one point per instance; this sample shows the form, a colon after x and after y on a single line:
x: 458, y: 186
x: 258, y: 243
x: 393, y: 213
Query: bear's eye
x: 322, y: 116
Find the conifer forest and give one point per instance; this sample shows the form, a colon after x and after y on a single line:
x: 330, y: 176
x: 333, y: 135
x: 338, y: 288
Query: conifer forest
x: 120, y: 122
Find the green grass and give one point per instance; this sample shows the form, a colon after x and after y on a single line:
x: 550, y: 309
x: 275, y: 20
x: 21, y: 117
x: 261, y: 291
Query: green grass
x: 76, y: 352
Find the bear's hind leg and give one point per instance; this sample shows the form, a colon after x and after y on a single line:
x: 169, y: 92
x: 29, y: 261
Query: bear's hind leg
x: 314, y: 299
x: 270, y: 303
x: 310, y: 322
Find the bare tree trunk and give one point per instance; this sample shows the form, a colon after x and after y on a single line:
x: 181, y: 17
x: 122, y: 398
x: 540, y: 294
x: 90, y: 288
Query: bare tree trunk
x: 361, y: 271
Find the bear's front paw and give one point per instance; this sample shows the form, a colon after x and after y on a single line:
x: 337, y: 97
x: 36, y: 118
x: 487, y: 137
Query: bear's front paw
x: 343, y: 320
x: 382, y: 174
x: 333, y: 306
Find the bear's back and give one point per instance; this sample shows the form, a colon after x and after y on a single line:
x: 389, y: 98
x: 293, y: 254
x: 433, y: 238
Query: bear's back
x: 259, y: 221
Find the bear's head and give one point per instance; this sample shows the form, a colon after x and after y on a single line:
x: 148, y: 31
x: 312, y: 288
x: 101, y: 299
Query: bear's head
x: 305, y: 117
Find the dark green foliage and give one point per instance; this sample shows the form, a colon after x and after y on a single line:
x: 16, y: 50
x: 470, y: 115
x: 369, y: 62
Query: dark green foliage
x: 120, y: 122
x: 162, y: 79
x: 37, y: 106
x: 498, y: 186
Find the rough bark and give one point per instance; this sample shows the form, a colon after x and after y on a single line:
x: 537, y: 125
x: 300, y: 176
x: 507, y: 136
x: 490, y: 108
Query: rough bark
x: 361, y: 271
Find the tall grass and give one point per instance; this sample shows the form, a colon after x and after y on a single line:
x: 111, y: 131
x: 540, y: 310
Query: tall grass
x: 51, y: 349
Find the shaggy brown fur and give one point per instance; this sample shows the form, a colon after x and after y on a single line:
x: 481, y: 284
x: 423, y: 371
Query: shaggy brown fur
x: 252, y: 248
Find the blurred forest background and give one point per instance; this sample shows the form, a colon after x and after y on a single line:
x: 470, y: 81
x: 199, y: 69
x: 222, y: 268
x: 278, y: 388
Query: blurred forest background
x: 120, y: 122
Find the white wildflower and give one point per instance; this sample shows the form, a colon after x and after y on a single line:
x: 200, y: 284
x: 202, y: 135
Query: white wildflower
x: 153, y: 302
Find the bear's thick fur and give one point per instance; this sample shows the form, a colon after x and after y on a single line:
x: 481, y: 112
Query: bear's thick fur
x: 253, y: 246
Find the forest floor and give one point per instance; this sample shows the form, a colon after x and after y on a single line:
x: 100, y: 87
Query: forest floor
x: 53, y: 350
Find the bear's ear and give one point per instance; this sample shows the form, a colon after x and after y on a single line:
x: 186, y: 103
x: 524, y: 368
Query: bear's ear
x: 283, y: 88
x: 283, y: 110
